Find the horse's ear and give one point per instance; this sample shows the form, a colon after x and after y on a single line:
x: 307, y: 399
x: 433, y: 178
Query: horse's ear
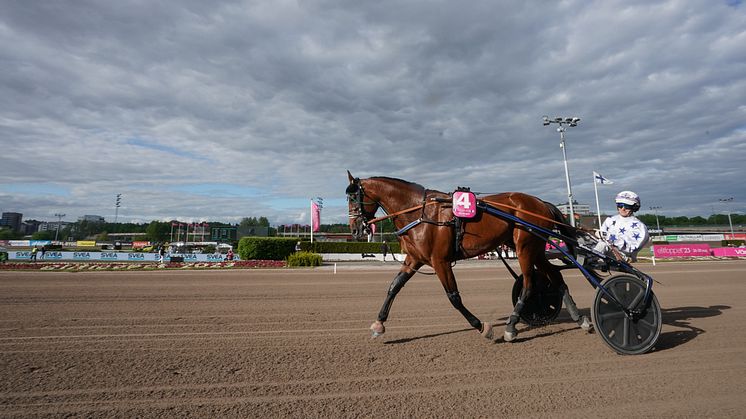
x: 349, y: 176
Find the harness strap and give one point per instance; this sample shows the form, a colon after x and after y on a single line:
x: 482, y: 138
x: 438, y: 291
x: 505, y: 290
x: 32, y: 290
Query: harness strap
x: 409, y: 226
x: 404, y: 211
x: 529, y: 213
x: 424, y: 204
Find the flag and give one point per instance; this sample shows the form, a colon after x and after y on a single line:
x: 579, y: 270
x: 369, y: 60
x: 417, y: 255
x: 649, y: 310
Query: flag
x: 315, y: 217
x: 601, y: 180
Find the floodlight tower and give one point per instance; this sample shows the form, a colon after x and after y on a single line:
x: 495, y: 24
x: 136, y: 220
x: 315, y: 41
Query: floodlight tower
x: 562, y: 122
x: 59, y: 218
x: 725, y: 201
x: 655, y: 211
x: 117, y: 204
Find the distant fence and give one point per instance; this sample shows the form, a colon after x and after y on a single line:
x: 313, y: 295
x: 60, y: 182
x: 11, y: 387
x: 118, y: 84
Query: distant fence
x: 698, y: 237
x: 115, y: 256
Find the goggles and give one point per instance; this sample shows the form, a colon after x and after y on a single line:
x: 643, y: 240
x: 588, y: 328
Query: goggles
x: 625, y: 206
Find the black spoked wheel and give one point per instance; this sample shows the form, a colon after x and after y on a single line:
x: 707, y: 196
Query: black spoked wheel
x: 542, y: 307
x: 626, y: 334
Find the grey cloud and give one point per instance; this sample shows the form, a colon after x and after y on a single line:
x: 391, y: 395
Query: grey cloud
x: 285, y: 96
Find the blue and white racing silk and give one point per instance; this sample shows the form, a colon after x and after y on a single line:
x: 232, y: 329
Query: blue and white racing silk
x: 627, y: 234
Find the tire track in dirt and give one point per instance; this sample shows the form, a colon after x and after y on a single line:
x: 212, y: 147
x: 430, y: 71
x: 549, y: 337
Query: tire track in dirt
x: 310, y: 354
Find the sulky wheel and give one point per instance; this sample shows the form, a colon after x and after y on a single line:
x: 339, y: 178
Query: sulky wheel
x: 628, y: 335
x: 542, y: 306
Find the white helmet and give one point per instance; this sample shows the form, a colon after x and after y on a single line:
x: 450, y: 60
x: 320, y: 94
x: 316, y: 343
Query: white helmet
x: 628, y: 198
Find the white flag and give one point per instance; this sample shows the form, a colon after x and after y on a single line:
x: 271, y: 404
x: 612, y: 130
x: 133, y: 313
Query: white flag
x: 600, y: 179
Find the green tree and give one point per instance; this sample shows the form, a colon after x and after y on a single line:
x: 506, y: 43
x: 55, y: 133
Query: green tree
x: 43, y: 235
x: 248, y: 222
x: 158, y: 231
x: 698, y: 220
x: 8, y: 234
x: 254, y: 222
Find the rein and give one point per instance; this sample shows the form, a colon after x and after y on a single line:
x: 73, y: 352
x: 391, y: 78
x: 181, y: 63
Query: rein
x: 404, y: 211
x: 529, y: 213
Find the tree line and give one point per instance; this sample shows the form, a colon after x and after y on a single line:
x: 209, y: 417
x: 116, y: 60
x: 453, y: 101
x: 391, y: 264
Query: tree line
x: 160, y: 231
x: 712, y: 220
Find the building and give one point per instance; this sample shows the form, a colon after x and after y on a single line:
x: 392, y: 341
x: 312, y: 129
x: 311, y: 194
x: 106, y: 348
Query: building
x: 579, y: 209
x: 12, y: 220
x: 30, y: 226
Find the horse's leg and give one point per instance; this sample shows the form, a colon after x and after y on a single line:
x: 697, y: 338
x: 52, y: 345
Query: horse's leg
x: 525, y: 260
x: 572, y: 309
x: 556, y: 277
x: 377, y: 328
x: 448, y: 280
x: 582, y: 321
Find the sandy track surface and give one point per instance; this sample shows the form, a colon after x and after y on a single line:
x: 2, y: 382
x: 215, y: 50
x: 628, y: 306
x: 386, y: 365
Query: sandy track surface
x: 294, y: 343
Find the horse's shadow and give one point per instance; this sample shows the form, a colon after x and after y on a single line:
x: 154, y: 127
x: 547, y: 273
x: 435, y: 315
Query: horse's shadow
x: 679, y: 317
x: 433, y: 335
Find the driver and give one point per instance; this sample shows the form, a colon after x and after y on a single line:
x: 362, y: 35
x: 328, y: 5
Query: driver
x: 623, y: 231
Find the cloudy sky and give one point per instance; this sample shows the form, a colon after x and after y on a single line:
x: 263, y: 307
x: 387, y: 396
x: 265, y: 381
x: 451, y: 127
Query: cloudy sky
x: 219, y: 110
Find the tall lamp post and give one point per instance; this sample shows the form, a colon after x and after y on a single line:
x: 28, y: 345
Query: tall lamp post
x: 725, y: 201
x: 562, y: 122
x: 117, y: 204
x: 655, y: 210
x: 59, y: 218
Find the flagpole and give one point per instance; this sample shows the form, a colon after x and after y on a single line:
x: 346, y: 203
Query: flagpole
x: 598, y: 208
x: 311, y: 212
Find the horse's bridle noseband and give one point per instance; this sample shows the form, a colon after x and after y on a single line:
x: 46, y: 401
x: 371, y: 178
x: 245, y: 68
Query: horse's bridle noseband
x: 356, y: 195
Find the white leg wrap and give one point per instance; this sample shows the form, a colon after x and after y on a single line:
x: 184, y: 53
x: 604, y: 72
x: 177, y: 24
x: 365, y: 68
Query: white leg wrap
x: 377, y: 329
x: 487, y: 331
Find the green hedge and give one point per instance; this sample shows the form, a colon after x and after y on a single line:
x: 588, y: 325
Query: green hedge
x: 265, y: 248
x: 277, y: 248
x: 304, y: 259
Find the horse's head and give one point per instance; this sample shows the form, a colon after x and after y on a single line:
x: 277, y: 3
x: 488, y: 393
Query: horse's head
x: 362, y: 208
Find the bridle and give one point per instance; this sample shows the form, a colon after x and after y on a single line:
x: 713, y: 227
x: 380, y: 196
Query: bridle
x: 357, y: 213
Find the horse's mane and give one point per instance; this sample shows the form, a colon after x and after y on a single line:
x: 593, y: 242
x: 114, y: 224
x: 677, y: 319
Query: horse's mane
x: 393, y: 179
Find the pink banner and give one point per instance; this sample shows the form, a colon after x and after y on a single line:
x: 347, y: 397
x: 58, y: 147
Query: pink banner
x: 681, y: 250
x: 315, y: 217
x: 730, y: 251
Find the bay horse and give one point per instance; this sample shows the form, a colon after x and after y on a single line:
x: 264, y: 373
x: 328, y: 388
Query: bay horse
x: 430, y: 235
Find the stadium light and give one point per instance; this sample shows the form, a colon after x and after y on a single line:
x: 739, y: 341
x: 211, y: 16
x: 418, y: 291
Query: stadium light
x: 117, y: 204
x: 59, y: 218
x: 572, y: 122
x: 727, y: 209
x: 655, y: 211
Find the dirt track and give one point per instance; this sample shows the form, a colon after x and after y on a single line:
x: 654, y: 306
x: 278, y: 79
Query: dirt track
x: 294, y: 343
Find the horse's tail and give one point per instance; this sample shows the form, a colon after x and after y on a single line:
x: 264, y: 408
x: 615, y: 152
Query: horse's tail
x: 565, y: 229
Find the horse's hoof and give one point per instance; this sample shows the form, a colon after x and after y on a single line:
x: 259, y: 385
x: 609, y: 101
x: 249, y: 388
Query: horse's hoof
x: 487, y: 331
x: 585, y: 324
x: 509, y: 336
x: 377, y: 329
